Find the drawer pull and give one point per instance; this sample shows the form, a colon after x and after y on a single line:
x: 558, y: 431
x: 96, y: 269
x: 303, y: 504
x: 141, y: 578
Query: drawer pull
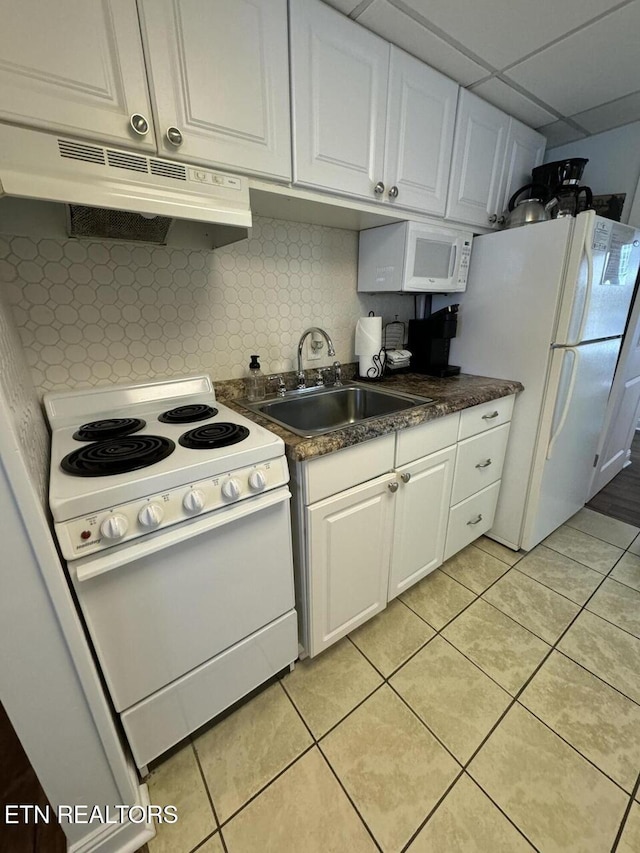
x: 476, y: 520
x: 484, y: 464
x: 405, y: 477
x: 393, y: 487
x: 490, y: 417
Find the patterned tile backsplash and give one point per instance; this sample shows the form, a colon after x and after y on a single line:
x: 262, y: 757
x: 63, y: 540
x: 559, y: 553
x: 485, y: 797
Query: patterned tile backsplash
x: 94, y: 313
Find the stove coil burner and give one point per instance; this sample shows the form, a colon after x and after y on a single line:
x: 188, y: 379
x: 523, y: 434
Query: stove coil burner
x: 213, y: 436
x: 108, y: 428
x: 188, y: 414
x: 117, y: 456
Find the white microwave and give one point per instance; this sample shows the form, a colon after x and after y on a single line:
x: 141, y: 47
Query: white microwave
x: 408, y: 257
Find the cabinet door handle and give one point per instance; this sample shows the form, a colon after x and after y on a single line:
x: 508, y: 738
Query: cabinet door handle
x: 405, y: 477
x: 476, y: 520
x: 379, y: 188
x: 490, y: 417
x: 484, y: 464
x: 393, y: 192
x: 393, y: 487
x: 493, y: 218
x: 174, y: 136
x: 139, y: 124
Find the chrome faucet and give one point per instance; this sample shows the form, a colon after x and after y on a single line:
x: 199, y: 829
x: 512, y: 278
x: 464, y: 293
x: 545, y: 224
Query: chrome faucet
x: 330, y: 350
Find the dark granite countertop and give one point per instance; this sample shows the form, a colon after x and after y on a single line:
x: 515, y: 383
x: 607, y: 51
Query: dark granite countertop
x: 450, y: 395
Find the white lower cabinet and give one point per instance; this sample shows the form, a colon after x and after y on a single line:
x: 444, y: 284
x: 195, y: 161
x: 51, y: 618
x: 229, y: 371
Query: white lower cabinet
x: 349, y: 543
x: 373, y: 519
x: 422, y: 511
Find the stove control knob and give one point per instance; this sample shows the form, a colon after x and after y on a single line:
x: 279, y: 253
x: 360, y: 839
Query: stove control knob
x: 150, y: 516
x: 193, y: 501
x: 257, y: 481
x: 114, y: 527
x: 231, y: 489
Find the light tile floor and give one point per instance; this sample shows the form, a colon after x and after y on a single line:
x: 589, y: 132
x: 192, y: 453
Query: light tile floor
x: 494, y: 707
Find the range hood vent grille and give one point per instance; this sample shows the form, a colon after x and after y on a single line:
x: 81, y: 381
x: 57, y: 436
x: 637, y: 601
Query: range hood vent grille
x: 104, y: 223
x: 168, y: 170
x: 77, y: 151
x: 121, y: 160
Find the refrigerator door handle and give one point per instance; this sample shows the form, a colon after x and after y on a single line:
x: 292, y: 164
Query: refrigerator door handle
x: 567, y: 402
x: 588, y: 253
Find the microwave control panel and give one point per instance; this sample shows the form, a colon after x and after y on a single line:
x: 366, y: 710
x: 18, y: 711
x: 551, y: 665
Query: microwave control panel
x: 463, y: 269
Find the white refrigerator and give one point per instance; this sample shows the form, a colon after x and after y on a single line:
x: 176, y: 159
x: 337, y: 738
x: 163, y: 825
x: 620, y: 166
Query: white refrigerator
x: 546, y: 304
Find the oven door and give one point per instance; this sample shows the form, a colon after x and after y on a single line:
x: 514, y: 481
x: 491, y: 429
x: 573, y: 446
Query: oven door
x: 160, y: 606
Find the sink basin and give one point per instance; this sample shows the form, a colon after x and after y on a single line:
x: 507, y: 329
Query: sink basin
x: 315, y: 411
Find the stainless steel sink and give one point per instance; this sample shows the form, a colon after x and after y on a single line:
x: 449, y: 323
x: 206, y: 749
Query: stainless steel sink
x: 314, y: 411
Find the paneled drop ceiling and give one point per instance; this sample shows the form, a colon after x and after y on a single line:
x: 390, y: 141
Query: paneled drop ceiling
x: 570, y: 68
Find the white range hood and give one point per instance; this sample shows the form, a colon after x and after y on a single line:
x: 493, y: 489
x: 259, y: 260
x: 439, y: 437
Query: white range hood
x: 98, y: 180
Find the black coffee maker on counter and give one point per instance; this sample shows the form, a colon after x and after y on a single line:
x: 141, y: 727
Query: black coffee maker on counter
x: 429, y: 341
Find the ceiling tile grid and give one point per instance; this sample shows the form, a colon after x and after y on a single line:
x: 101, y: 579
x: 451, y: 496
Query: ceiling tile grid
x: 93, y: 313
x: 569, y: 69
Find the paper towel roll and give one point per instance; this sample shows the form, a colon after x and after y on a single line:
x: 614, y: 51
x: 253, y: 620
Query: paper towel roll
x: 368, y: 336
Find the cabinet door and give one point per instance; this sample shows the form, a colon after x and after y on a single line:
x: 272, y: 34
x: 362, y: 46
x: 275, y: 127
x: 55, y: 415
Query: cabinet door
x: 477, y: 165
x: 348, y: 549
x: 422, y: 512
x: 75, y: 67
x: 421, y: 111
x: 339, y: 76
x: 525, y: 151
x: 219, y: 74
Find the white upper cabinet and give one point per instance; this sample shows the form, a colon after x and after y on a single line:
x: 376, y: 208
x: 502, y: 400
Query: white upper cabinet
x: 421, y: 113
x: 475, y: 189
x: 339, y: 94
x: 525, y: 151
x: 75, y: 67
x: 219, y: 76
x: 368, y: 119
x: 493, y: 155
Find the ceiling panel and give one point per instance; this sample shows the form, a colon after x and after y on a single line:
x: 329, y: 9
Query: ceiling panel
x: 559, y: 133
x: 597, y: 64
x: 614, y: 114
x: 403, y: 31
x: 513, y: 102
x: 503, y: 31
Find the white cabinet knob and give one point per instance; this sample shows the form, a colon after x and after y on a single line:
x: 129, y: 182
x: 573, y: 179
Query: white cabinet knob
x: 257, y: 481
x: 150, y: 516
x: 231, y: 489
x: 193, y: 501
x: 114, y: 527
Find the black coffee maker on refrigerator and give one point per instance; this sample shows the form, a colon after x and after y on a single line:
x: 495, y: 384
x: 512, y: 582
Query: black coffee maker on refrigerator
x: 429, y: 341
x: 562, y: 178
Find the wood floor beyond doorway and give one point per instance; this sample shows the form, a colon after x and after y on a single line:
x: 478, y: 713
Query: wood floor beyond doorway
x: 621, y: 497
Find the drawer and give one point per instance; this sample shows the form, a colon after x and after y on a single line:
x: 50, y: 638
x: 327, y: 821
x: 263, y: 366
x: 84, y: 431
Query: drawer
x: 480, y: 418
x: 346, y: 468
x: 419, y: 441
x: 479, y: 462
x: 470, y: 519
x: 166, y: 717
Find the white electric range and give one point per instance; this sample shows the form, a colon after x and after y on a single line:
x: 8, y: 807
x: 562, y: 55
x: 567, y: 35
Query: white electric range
x: 172, y: 511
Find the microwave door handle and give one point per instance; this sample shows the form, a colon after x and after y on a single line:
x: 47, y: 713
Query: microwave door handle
x: 453, y: 260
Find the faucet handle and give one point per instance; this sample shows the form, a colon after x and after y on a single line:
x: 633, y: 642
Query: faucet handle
x: 320, y: 376
x: 282, y: 388
x: 337, y: 373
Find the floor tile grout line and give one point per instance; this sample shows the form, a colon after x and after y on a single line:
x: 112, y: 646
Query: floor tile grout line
x: 298, y: 712
x: 573, y: 747
x: 615, y: 625
x: 432, y: 811
x: 350, y: 712
x: 400, y: 665
x: 561, y: 594
x: 595, y: 675
x: 268, y: 784
x: 615, y: 544
x: 625, y: 816
x: 575, y: 559
x: 208, y: 838
x: 348, y: 796
x: 206, y: 784
x: 515, y: 621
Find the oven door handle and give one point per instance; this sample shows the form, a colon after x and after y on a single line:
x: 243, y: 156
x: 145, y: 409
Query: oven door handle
x: 97, y: 564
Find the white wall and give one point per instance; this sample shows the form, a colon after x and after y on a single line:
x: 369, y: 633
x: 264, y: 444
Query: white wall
x: 614, y: 164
